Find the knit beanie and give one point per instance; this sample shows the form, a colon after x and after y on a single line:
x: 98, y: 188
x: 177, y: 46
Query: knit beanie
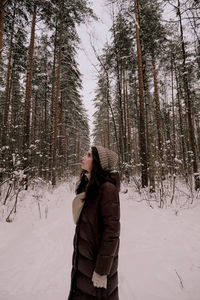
x: 108, y: 158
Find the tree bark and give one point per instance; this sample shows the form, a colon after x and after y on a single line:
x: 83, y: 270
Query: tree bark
x: 188, y: 105
x: 28, y: 93
x: 129, y: 142
x: 52, y: 108
x: 8, y: 84
x: 158, y: 117
x: 149, y: 128
x: 142, y: 134
x: 110, y: 106
x: 124, y: 115
x: 173, y: 145
x: 61, y: 133
x: 183, y: 147
x: 2, y: 15
x: 45, y: 134
x: 57, y: 96
x: 108, y: 123
x: 120, y: 105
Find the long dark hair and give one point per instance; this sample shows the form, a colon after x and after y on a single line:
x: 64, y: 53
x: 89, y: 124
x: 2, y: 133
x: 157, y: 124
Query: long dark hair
x: 98, y: 176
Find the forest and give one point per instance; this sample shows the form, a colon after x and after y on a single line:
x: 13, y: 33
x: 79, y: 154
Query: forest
x: 147, y: 97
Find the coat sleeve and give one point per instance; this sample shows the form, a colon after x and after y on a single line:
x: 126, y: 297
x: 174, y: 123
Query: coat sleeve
x: 110, y: 214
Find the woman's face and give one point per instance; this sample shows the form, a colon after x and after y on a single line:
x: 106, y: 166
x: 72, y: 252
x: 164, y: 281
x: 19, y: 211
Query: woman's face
x: 86, y: 162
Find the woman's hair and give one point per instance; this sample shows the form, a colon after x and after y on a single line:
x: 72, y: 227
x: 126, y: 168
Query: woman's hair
x: 98, y: 176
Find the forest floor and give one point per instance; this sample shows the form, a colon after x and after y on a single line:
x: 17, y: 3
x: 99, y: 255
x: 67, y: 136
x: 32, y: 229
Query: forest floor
x: 159, y: 249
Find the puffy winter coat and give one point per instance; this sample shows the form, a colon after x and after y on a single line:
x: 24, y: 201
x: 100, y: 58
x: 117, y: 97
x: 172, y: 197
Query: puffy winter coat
x: 96, y: 245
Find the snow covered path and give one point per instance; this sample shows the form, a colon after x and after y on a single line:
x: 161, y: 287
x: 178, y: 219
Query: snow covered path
x: 159, y: 252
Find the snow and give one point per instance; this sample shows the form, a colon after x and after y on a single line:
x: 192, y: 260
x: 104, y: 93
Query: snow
x: 159, y: 250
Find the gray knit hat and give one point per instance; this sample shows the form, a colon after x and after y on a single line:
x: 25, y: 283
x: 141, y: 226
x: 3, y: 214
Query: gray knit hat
x: 108, y: 158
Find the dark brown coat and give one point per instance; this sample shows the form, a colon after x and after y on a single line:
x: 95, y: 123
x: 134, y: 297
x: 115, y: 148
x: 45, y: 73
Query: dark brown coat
x: 96, y: 245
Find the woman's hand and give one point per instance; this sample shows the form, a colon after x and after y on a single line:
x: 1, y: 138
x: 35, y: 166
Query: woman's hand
x: 99, y: 281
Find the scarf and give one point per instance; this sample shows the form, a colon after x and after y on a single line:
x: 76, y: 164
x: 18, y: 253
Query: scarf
x: 77, y: 206
x: 78, y: 203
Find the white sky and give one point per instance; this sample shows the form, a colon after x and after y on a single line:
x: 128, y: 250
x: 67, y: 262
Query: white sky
x: 99, y: 32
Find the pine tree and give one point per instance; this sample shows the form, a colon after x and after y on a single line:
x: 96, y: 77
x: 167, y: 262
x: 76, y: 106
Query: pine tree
x: 42, y: 102
x: 143, y: 149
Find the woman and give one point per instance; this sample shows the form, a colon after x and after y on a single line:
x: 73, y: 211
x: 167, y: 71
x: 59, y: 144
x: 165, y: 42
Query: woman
x: 96, y: 212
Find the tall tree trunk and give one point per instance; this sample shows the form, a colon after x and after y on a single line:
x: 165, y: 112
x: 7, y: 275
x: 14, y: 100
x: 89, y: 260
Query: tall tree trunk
x: 127, y: 126
x: 12, y: 108
x: 197, y: 121
x: 8, y: 85
x: 52, y: 107
x: 149, y: 127
x: 142, y: 134
x: 120, y: 135
x: 129, y: 142
x: 124, y: 115
x: 34, y: 117
x: 108, y: 123
x: 181, y: 127
x: 4, y: 129
x: 110, y: 106
x: 61, y: 134
x: 158, y: 117
x: 28, y: 93
x: 188, y: 104
x: 45, y: 150
x: 173, y: 145
x: 2, y: 15
x: 120, y: 105
x: 104, y: 134
x: 121, y: 123
x: 57, y: 100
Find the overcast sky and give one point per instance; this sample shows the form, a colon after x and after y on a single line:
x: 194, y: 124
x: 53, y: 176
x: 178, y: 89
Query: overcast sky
x: 99, y: 32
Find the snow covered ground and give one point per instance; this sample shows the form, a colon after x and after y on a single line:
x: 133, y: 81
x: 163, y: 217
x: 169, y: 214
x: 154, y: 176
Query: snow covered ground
x: 159, y: 251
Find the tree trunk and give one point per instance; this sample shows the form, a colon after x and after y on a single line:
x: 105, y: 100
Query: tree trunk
x: 61, y: 134
x: 173, y: 145
x: 120, y: 105
x: 124, y: 115
x: 110, y: 107
x: 12, y: 109
x: 158, y: 117
x: 121, y: 126
x: 2, y: 15
x: 8, y: 85
x: 142, y: 134
x: 104, y: 134
x: 34, y: 117
x: 149, y: 128
x: 181, y: 128
x: 108, y: 124
x: 28, y: 93
x: 129, y: 142
x: 45, y: 150
x: 55, y: 137
x: 188, y: 105
x: 52, y: 108
x: 198, y: 134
